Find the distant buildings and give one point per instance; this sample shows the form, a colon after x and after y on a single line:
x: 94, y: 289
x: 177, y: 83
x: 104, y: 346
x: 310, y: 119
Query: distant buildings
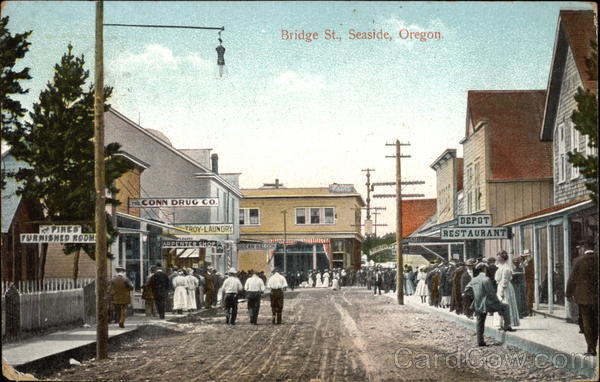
x: 321, y: 225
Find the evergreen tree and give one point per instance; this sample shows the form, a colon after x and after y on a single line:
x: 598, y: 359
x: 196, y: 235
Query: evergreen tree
x: 12, y: 49
x: 58, y: 145
x: 585, y: 118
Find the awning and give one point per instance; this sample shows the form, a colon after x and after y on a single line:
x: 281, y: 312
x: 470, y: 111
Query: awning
x: 188, y: 253
x: 151, y: 222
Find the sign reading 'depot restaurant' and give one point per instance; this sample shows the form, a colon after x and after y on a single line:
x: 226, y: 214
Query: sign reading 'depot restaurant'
x: 474, y: 233
x: 173, y: 202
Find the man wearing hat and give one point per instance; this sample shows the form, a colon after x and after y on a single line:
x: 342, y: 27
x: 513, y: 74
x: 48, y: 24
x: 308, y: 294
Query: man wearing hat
x: 528, y: 268
x: 119, y: 290
x: 160, y: 288
x: 485, y: 301
x: 582, y: 287
x: 277, y: 284
x: 232, y: 286
x: 465, y: 278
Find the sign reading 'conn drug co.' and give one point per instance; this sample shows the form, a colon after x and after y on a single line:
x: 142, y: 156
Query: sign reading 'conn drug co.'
x: 173, y: 202
x: 474, y: 233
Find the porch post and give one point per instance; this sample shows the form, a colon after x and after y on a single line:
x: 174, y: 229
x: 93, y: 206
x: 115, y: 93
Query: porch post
x: 314, y: 256
x: 536, y: 268
x: 567, y: 260
x: 550, y: 277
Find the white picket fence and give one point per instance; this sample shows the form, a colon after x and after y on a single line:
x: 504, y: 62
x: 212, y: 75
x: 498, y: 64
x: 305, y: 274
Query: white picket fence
x: 30, y: 286
x: 52, y: 302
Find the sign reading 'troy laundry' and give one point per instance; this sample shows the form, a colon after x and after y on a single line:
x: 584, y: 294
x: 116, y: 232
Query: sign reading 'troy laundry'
x: 173, y: 202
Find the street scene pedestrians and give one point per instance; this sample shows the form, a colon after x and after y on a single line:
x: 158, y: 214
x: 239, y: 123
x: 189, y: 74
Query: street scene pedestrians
x: 346, y: 335
x: 182, y: 190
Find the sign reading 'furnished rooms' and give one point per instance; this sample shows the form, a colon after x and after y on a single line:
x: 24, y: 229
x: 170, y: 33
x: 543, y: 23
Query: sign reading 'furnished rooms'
x: 173, y: 202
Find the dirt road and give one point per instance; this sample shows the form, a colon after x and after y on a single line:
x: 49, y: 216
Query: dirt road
x: 346, y: 335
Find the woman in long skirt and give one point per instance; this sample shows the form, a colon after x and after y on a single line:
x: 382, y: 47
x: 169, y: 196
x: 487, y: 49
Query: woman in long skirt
x: 506, y: 291
x: 409, y: 289
x: 422, y: 290
x: 319, y: 282
x: 191, y: 285
x: 180, y: 294
x: 336, y: 281
x: 326, y: 279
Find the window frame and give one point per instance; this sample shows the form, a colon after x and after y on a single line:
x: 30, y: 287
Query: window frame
x: 560, y: 129
x: 575, y: 138
x: 308, y: 215
x: 245, y: 215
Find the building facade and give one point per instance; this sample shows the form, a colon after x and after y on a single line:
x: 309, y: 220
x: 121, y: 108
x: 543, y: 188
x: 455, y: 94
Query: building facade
x: 507, y: 169
x: 559, y: 234
x: 172, y: 173
x: 316, y: 228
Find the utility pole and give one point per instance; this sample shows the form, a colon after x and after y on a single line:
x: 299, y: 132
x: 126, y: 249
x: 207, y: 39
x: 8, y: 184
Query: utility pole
x: 399, y: 260
x: 398, y: 195
x: 99, y: 173
x: 284, y: 212
x: 99, y: 181
x: 369, y: 189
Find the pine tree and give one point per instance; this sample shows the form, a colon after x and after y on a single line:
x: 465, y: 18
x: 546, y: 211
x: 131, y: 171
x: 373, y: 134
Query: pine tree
x: 12, y: 49
x: 585, y: 118
x: 58, y: 145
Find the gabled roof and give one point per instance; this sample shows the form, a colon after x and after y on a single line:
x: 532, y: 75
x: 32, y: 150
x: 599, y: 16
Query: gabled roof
x: 10, y: 198
x: 164, y: 141
x: 512, y: 119
x: 575, y: 30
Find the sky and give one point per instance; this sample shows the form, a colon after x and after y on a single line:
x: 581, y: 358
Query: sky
x: 307, y: 113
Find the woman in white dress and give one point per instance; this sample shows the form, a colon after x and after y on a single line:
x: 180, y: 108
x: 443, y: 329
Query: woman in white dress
x: 191, y: 286
x: 506, y: 291
x: 422, y: 290
x: 326, y: 279
x: 310, y: 280
x: 180, y: 294
x: 336, y: 281
x: 318, y: 282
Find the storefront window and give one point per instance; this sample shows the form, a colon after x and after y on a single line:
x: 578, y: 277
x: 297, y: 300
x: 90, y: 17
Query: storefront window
x: 558, y: 255
x: 130, y: 250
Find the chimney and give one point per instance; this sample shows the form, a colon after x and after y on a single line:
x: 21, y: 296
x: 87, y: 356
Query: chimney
x: 214, y: 160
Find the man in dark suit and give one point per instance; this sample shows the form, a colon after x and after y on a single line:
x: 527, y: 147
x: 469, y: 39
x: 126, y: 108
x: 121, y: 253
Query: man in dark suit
x: 582, y: 287
x: 120, y: 291
x: 160, y: 288
x: 485, y: 301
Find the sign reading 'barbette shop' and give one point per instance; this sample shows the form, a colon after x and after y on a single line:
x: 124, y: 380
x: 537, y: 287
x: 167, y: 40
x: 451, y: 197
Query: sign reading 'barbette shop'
x: 173, y: 202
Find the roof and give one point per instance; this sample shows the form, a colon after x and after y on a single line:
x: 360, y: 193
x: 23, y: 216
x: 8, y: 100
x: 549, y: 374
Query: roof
x: 575, y: 30
x: 415, y: 212
x: 10, y: 199
x: 156, y: 137
x: 585, y: 201
x: 512, y: 119
x: 445, y: 156
x: 304, y: 192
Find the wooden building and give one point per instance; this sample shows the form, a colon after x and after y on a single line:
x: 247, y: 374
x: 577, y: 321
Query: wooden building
x: 321, y: 225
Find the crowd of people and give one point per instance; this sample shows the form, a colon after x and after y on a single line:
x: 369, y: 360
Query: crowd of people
x: 475, y: 288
